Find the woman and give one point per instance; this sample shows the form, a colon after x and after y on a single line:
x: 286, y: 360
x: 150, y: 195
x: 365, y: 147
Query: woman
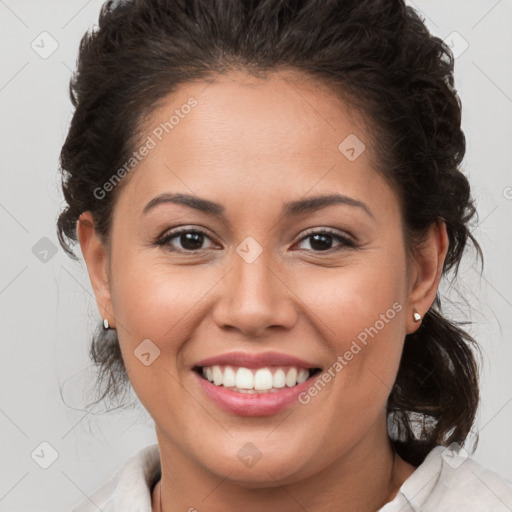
x: 266, y: 195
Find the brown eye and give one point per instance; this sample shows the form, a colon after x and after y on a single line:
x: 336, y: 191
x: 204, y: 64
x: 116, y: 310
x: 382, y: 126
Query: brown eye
x: 184, y: 240
x: 323, y: 241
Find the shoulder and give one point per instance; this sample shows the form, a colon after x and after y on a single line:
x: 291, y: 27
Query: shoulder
x: 450, y: 480
x: 129, y: 489
x: 467, y: 485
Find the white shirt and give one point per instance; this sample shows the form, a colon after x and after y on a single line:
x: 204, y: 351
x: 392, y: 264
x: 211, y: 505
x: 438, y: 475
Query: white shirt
x: 444, y: 482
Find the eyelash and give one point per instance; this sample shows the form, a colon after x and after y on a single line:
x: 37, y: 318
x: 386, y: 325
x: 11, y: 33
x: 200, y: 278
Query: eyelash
x: 346, y: 243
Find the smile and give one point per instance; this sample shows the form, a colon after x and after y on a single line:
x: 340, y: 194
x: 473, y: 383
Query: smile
x: 254, y: 391
x: 256, y: 380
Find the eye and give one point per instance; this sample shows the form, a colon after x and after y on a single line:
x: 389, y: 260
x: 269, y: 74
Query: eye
x: 192, y: 240
x: 189, y: 239
x: 322, y: 240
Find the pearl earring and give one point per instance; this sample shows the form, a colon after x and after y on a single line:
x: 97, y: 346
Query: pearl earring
x: 106, y: 326
x: 416, y: 316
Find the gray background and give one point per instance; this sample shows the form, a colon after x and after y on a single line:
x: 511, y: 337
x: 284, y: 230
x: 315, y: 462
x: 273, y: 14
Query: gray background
x: 47, y: 306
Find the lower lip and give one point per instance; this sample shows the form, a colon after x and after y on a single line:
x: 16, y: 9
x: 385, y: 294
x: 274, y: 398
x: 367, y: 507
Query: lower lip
x: 257, y: 404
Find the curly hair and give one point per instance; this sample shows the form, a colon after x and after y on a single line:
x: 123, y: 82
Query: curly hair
x: 379, y: 57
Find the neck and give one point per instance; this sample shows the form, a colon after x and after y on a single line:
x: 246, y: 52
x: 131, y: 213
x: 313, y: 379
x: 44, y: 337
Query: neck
x: 363, y: 479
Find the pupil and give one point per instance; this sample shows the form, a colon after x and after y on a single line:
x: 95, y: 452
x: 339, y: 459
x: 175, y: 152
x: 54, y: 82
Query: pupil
x: 191, y: 241
x: 321, y: 242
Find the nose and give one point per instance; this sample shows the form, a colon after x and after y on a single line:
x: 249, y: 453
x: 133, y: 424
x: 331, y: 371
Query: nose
x: 254, y: 297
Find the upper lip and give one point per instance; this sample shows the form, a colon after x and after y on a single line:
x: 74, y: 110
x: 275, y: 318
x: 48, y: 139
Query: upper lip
x: 251, y: 360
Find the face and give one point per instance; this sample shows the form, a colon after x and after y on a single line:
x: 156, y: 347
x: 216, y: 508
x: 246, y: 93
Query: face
x: 267, y: 270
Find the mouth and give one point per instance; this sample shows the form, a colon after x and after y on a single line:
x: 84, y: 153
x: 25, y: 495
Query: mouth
x: 263, y: 380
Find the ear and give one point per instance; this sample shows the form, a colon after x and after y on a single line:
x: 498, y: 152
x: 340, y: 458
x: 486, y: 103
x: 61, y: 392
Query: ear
x: 426, y: 271
x: 96, y: 259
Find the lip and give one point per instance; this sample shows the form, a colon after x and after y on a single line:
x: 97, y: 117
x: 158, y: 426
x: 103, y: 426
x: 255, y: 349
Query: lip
x: 248, y: 360
x: 245, y: 404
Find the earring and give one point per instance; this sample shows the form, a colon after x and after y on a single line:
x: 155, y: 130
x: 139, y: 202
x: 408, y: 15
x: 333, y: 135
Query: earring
x: 106, y: 326
x: 416, y: 316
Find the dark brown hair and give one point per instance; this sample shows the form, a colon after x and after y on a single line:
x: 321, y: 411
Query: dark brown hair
x: 380, y: 58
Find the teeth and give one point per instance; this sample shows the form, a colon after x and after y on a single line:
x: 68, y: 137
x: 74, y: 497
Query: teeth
x: 217, y: 375
x: 262, y: 379
x: 279, y: 379
x: 229, y: 377
x: 248, y: 380
x: 244, y: 378
x: 302, y: 376
x: 291, y: 377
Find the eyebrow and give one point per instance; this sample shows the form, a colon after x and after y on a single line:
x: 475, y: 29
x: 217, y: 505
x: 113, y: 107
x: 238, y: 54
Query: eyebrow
x: 292, y: 208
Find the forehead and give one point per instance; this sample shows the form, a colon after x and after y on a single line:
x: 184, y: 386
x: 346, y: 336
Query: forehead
x: 253, y: 135
x: 281, y: 113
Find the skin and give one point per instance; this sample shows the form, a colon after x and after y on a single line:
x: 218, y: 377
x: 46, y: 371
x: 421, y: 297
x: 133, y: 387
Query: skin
x: 252, y: 144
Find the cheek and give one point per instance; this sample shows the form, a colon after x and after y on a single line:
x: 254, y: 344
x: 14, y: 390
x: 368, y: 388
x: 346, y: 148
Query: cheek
x: 152, y: 299
x: 351, y: 298
x: 155, y: 306
x: 359, y: 311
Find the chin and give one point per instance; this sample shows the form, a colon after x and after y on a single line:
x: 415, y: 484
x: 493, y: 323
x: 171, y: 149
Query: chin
x: 270, y: 470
